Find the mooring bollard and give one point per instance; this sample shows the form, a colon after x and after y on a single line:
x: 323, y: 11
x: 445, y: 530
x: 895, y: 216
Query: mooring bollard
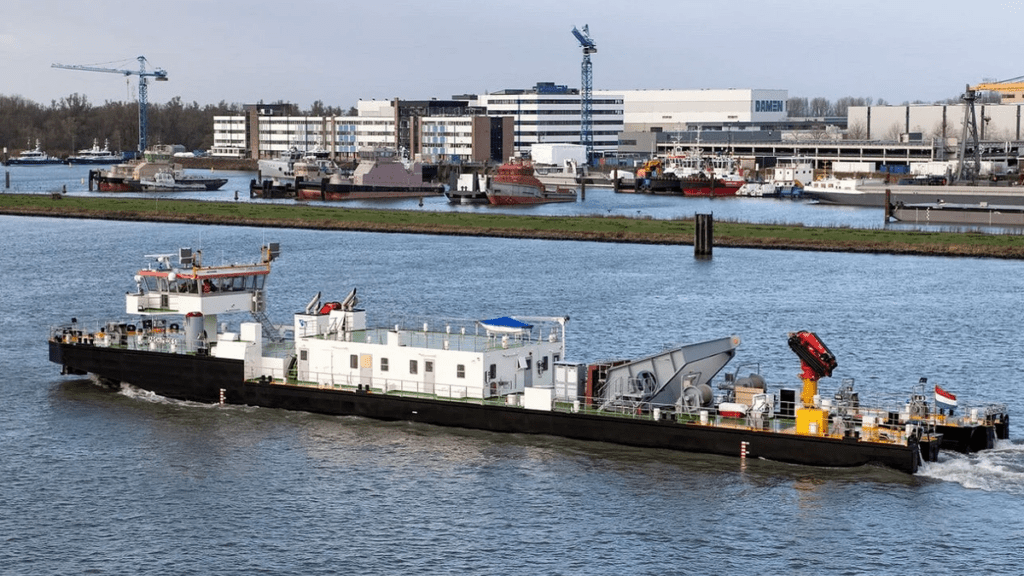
x: 704, y: 234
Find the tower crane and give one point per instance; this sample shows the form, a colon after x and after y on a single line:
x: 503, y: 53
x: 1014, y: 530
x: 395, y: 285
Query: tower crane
x: 586, y: 89
x: 157, y: 74
x: 968, y: 169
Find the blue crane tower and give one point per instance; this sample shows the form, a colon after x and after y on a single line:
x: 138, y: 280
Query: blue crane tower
x: 142, y: 73
x: 586, y: 90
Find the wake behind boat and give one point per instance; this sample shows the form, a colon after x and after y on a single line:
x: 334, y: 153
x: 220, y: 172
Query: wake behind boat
x: 501, y: 374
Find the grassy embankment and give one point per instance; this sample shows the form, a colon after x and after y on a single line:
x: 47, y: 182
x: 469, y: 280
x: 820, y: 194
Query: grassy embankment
x: 587, y: 228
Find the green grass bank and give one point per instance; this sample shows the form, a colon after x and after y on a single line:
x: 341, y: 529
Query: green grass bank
x: 580, y: 228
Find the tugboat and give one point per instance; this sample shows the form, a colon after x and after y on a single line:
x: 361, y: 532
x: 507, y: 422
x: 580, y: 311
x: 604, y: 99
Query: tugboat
x: 516, y: 183
x: 502, y: 374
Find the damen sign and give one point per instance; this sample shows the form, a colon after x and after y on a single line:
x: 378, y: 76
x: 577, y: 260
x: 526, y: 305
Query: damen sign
x: 769, y: 105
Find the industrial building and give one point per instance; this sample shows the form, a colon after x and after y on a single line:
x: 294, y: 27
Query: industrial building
x: 435, y: 131
x: 549, y: 113
x: 629, y: 125
x: 677, y: 110
x: 996, y: 122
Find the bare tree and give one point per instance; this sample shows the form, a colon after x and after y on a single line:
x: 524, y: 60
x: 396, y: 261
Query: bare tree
x: 894, y: 132
x: 857, y: 131
x: 797, y: 107
x: 820, y: 107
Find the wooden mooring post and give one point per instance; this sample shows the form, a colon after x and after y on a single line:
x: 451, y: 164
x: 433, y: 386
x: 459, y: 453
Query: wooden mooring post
x: 704, y: 235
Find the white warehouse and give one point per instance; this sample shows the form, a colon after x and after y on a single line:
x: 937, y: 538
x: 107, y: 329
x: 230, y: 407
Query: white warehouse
x: 668, y: 110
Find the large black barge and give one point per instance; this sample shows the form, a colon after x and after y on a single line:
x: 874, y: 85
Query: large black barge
x: 502, y: 374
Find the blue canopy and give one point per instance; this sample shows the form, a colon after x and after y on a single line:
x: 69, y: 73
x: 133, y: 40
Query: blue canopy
x: 505, y: 323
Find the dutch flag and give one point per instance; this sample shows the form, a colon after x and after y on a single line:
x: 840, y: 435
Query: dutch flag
x: 944, y: 399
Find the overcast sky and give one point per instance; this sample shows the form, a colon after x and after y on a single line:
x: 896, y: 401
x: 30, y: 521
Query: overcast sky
x: 339, y: 52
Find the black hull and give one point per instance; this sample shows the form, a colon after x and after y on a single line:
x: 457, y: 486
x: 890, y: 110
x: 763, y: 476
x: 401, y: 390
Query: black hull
x: 33, y: 163
x: 325, y: 191
x: 268, y: 190
x: 208, y: 379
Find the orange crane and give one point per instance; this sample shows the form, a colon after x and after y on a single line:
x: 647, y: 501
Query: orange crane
x: 1011, y: 86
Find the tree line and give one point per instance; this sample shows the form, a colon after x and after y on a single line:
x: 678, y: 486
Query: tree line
x: 803, y: 107
x: 73, y: 123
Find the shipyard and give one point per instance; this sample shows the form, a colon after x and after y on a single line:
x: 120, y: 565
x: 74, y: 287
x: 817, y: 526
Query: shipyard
x: 575, y: 289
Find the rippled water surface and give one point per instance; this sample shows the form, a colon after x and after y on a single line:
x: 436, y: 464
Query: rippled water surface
x: 123, y: 482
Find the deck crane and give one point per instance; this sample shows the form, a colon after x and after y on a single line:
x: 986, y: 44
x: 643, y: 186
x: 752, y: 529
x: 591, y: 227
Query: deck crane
x: 969, y: 169
x: 817, y: 362
x: 157, y: 74
x: 586, y: 89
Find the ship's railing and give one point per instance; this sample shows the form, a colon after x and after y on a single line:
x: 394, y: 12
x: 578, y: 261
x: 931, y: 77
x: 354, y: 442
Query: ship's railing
x: 396, y: 386
x: 460, y: 334
x: 863, y: 423
x: 876, y: 424
x: 157, y: 339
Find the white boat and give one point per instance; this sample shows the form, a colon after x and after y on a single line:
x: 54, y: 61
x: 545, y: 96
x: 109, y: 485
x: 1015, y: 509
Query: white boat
x: 789, y: 175
x: 165, y: 181
x: 469, y: 189
x: 96, y: 155
x: 183, y: 339
x: 278, y: 177
x: 34, y: 157
x: 872, y: 192
x: 568, y: 175
x: 757, y: 189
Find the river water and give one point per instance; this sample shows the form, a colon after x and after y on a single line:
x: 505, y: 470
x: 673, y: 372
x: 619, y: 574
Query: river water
x: 123, y: 482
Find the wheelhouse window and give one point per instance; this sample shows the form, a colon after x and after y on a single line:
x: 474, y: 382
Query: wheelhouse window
x: 413, y: 367
x: 383, y: 364
x: 460, y: 371
x: 353, y: 361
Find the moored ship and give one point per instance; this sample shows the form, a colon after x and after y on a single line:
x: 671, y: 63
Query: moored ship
x: 33, y: 157
x: 470, y: 188
x: 142, y: 175
x: 873, y: 192
x: 689, y: 173
x: 517, y: 183
x: 96, y: 155
x: 503, y: 374
x: 381, y: 178
x: 703, y: 175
